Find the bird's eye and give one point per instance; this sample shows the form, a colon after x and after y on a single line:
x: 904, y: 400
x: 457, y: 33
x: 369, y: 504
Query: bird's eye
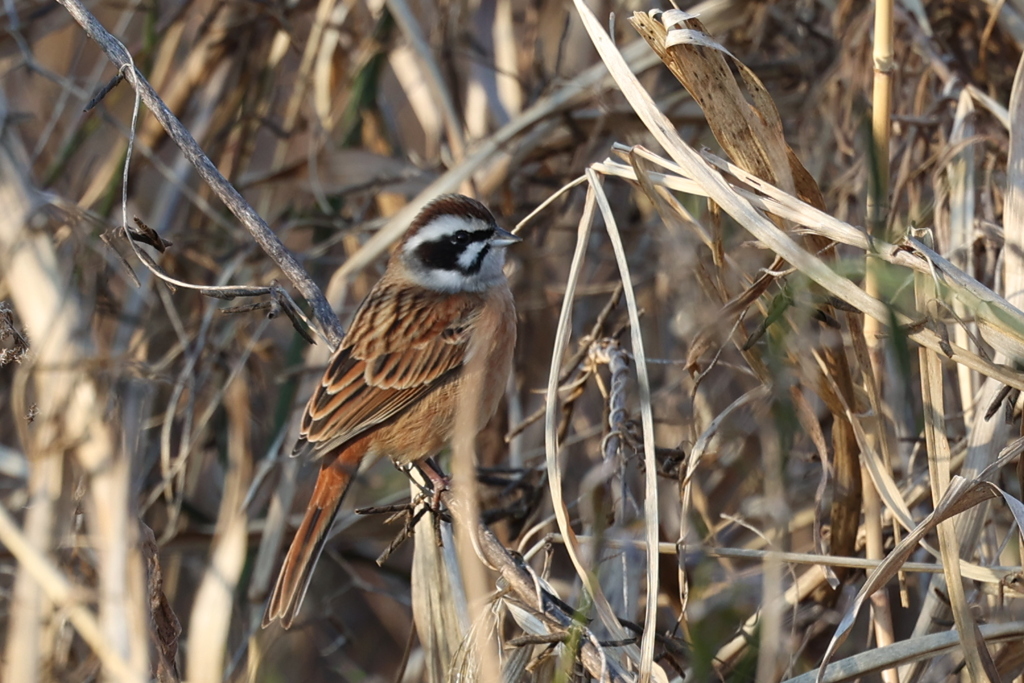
x: 461, y: 237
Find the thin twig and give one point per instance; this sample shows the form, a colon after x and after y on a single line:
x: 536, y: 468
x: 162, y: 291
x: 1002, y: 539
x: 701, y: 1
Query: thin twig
x: 329, y: 324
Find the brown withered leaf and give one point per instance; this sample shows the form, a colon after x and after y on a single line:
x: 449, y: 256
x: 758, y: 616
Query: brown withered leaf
x: 751, y: 134
x: 147, y: 235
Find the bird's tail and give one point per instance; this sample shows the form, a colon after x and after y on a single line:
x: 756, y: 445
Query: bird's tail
x: 297, y: 570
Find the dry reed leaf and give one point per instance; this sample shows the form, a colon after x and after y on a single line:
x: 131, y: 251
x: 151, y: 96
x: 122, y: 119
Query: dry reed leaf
x: 960, y: 174
x: 751, y: 134
x: 874, y: 660
x: 749, y: 131
x: 1003, y: 323
x: 979, y: 660
x: 961, y: 495
x: 1013, y: 208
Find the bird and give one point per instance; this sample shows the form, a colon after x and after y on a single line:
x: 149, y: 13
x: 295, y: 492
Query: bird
x: 439, y: 323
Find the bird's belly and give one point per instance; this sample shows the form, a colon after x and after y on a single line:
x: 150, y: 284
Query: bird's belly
x: 420, y: 432
x: 426, y: 428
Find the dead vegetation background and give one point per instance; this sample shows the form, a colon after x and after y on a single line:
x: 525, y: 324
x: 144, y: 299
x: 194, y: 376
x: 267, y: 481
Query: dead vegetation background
x: 709, y: 450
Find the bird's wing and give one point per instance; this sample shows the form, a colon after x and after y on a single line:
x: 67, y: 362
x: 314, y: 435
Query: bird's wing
x: 402, y: 345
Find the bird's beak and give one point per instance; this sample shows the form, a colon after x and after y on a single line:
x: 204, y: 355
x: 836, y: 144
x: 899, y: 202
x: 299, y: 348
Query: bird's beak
x: 503, y: 238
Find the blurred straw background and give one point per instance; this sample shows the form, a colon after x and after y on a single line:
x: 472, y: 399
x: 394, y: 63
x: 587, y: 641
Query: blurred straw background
x: 765, y: 414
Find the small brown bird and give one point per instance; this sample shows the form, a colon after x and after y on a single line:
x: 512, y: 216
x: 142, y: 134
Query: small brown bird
x: 440, y: 319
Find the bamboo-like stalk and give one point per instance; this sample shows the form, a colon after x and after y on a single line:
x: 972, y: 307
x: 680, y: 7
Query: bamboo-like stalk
x: 878, y: 218
x: 881, y: 114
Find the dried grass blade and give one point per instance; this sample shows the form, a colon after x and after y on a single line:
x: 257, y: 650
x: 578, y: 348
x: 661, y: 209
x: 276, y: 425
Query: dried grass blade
x: 753, y: 136
x: 960, y: 173
x: 651, y: 525
x: 857, y: 666
x: 1004, y: 322
x: 1013, y: 205
x: 551, y: 419
x: 979, y: 660
x: 960, y: 496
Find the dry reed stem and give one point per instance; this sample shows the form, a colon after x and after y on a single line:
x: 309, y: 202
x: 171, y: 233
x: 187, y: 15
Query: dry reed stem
x: 874, y: 660
x: 72, y: 418
x: 440, y: 93
x: 877, y: 217
x: 211, y: 615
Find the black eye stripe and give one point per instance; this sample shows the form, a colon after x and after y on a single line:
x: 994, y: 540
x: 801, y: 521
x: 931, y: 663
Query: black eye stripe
x: 443, y: 253
x: 474, y: 236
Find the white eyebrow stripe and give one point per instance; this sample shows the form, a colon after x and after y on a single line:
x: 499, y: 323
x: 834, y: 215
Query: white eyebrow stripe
x: 442, y: 226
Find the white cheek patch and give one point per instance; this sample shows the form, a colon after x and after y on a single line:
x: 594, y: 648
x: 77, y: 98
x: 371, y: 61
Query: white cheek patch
x: 489, y: 275
x: 447, y: 281
x: 470, y: 253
